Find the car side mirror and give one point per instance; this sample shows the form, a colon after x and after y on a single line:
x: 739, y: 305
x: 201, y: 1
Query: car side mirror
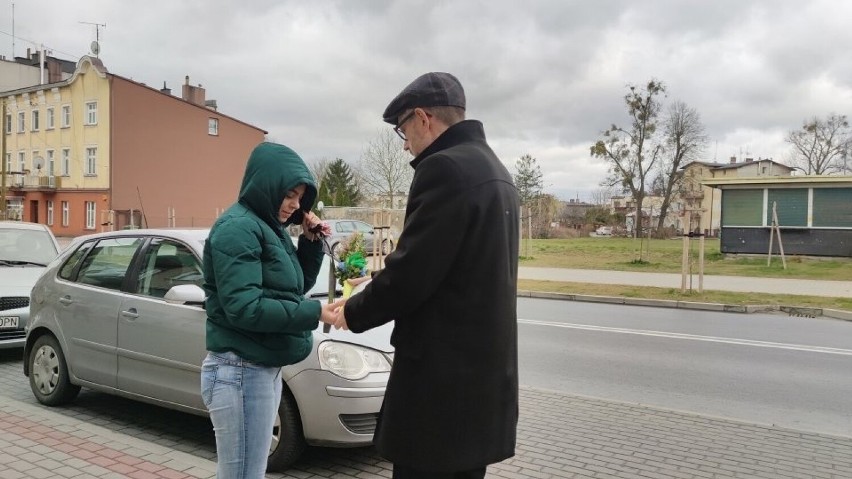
x: 188, y: 294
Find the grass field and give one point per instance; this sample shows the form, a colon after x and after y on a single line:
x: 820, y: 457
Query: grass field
x: 665, y: 256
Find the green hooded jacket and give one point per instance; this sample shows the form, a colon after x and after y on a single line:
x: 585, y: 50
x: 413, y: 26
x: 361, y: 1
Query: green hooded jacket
x: 254, y: 277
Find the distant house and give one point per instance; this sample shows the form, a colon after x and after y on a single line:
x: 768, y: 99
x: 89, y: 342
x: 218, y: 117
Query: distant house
x: 96, y: 151
x: 814, y: 214
x: 698, y: 206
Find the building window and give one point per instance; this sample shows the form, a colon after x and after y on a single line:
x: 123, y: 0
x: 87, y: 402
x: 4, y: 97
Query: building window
x: 8, y: 123
x: 90, y: 215
x: 66, y: 116
x: 65, y: 213
x: 66, y: 162
x: 22, y: 161
x: 92, y: 113
x: 213, y: 126
x: 35, y: 168
x: 51, y: 121
x: 22, y: 121
x: 51, y: 163
x: 49, y: 212
x: 91, y: 161
x: 34, y: 122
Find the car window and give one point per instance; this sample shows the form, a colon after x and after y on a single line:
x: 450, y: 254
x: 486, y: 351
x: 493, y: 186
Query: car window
x: 107, y: 263
x: 67, y: 270
x: 363, y: 227
x: 167, y: 263
x: 345, y: 227
x: 34, y: 246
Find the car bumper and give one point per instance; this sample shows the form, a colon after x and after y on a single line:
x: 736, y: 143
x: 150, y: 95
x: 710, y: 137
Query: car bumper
x: 336, y: 411
x: 13, y: 338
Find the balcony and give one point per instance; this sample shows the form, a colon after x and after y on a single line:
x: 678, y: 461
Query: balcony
x: 33, y: 182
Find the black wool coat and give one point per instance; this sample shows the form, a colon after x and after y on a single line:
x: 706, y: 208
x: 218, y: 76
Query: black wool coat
x: 451, y: 287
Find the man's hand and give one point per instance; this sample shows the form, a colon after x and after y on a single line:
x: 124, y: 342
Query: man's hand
x: 330, y: 311
x: 340, y: 320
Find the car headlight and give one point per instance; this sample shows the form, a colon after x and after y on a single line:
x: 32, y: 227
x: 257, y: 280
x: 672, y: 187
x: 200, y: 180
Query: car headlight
x: 350, y: 361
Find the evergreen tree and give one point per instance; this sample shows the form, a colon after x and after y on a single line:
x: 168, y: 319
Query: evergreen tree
x: 528, y: 179
x: 338, y: 186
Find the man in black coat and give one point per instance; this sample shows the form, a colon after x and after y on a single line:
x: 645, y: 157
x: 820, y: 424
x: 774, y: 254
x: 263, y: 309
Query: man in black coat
x: 451, y: 405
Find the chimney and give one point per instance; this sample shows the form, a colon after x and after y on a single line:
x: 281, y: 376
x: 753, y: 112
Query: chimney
x: 193, y: 94
x: 165, y: 89
x: 749, y: 160
x: 211, y: 104
x: 733, y: 159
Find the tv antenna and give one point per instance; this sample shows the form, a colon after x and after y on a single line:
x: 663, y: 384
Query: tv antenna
x: 95, y: 46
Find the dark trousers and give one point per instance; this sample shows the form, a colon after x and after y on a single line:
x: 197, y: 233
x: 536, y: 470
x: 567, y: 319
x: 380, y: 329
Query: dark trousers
x: 405, y: 472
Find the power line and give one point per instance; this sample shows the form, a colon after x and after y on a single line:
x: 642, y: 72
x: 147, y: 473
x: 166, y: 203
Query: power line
x: 34, y: 43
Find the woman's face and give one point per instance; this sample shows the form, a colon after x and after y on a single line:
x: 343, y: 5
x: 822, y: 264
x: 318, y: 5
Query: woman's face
x: 291, y: 203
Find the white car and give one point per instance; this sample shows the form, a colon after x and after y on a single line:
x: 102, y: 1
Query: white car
x: 604, y: 231
x: 122, y: 313
x: 25, y: 250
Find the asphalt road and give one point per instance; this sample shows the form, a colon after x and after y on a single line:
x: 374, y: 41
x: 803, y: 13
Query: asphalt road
x: 763, y: 368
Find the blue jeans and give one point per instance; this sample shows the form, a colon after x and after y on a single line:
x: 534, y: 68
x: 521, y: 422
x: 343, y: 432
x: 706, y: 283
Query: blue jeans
x: 242, y: 398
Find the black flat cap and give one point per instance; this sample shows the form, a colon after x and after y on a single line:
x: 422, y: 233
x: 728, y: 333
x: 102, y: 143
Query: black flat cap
x: 430, y: 89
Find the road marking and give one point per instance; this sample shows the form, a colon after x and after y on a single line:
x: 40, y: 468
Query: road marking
x: 692, y: 337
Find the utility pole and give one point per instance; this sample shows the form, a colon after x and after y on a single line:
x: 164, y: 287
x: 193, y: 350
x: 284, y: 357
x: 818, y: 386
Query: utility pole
x: 3, y: 158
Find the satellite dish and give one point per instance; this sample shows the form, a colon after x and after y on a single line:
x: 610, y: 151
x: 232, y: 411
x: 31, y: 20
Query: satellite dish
x: 38, y: 163
x: 320, y: 205
x: 95, y: 47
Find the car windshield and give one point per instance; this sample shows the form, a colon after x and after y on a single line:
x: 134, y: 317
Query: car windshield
x: 19, y: 246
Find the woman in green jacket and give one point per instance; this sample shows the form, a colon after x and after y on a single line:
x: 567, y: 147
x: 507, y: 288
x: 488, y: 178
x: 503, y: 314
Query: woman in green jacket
x: 257, y: 316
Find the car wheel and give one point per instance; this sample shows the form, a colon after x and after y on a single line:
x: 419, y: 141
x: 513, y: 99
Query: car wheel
x: 387, y: 247
x: 288, y: 441
x: 49, y: 378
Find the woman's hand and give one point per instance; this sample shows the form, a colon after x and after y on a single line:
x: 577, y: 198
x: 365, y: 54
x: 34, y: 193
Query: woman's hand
x: 330, y: 312
x: 311, y: 225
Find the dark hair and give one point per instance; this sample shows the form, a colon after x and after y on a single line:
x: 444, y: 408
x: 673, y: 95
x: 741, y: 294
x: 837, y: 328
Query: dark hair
x: 449, y: 115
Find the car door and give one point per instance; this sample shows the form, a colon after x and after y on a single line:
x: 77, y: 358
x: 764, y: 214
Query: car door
x: 87, y: 305
x: 161, y: 344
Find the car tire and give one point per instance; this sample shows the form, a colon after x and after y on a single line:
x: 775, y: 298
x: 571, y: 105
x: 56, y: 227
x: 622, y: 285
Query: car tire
x: 288, y: 440
x: 49, y: 379
x: 387, y: 247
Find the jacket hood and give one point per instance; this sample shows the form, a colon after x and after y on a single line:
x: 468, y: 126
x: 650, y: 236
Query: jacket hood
x: 273, y: 170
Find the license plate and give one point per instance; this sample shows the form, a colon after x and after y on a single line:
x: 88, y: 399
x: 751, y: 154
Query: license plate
x: 9, y: 322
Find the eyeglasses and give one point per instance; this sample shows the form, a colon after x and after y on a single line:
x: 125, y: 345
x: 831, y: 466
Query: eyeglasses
x: 399, y: 132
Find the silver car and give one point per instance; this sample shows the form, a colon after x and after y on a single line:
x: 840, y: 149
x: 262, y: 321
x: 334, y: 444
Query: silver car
x: 122, y: 313
x: 342, y: 230
x: 25, y: 250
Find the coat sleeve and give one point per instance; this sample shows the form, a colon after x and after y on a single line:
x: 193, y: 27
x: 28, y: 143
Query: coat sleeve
x: 236, y: 260
x: 310, y: 256
x: 431, y: 238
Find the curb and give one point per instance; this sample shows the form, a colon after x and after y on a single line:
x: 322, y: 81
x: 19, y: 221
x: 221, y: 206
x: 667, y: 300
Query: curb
x: 668, y: 303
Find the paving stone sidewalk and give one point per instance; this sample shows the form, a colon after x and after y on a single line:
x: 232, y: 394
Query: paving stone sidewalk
x: 559, y: 435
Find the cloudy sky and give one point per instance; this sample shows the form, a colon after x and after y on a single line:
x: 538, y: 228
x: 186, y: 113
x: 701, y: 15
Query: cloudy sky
x: 546, y: 77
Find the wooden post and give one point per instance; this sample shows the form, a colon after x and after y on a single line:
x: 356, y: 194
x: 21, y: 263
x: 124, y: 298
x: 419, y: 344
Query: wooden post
x: 520, y: 229
x: 529, y: 231
x: 684, y: 267
x: 701, y: 263
x: 775, y: 229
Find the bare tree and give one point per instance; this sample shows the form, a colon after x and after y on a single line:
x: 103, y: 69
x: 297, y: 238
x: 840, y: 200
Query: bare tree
x: 318, y: 167
x: 602, y: 195
x: 385, y: 169
x: 821, y: 146
x: 631, y: 154
x: 684, y: 141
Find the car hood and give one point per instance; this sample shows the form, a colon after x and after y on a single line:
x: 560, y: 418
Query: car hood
x: 376, y: 338
x: 18, y: 280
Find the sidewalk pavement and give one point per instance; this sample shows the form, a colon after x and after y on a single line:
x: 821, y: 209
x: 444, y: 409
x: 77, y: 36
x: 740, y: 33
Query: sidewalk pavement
x: 808, y: 287
x: 559, y: 436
